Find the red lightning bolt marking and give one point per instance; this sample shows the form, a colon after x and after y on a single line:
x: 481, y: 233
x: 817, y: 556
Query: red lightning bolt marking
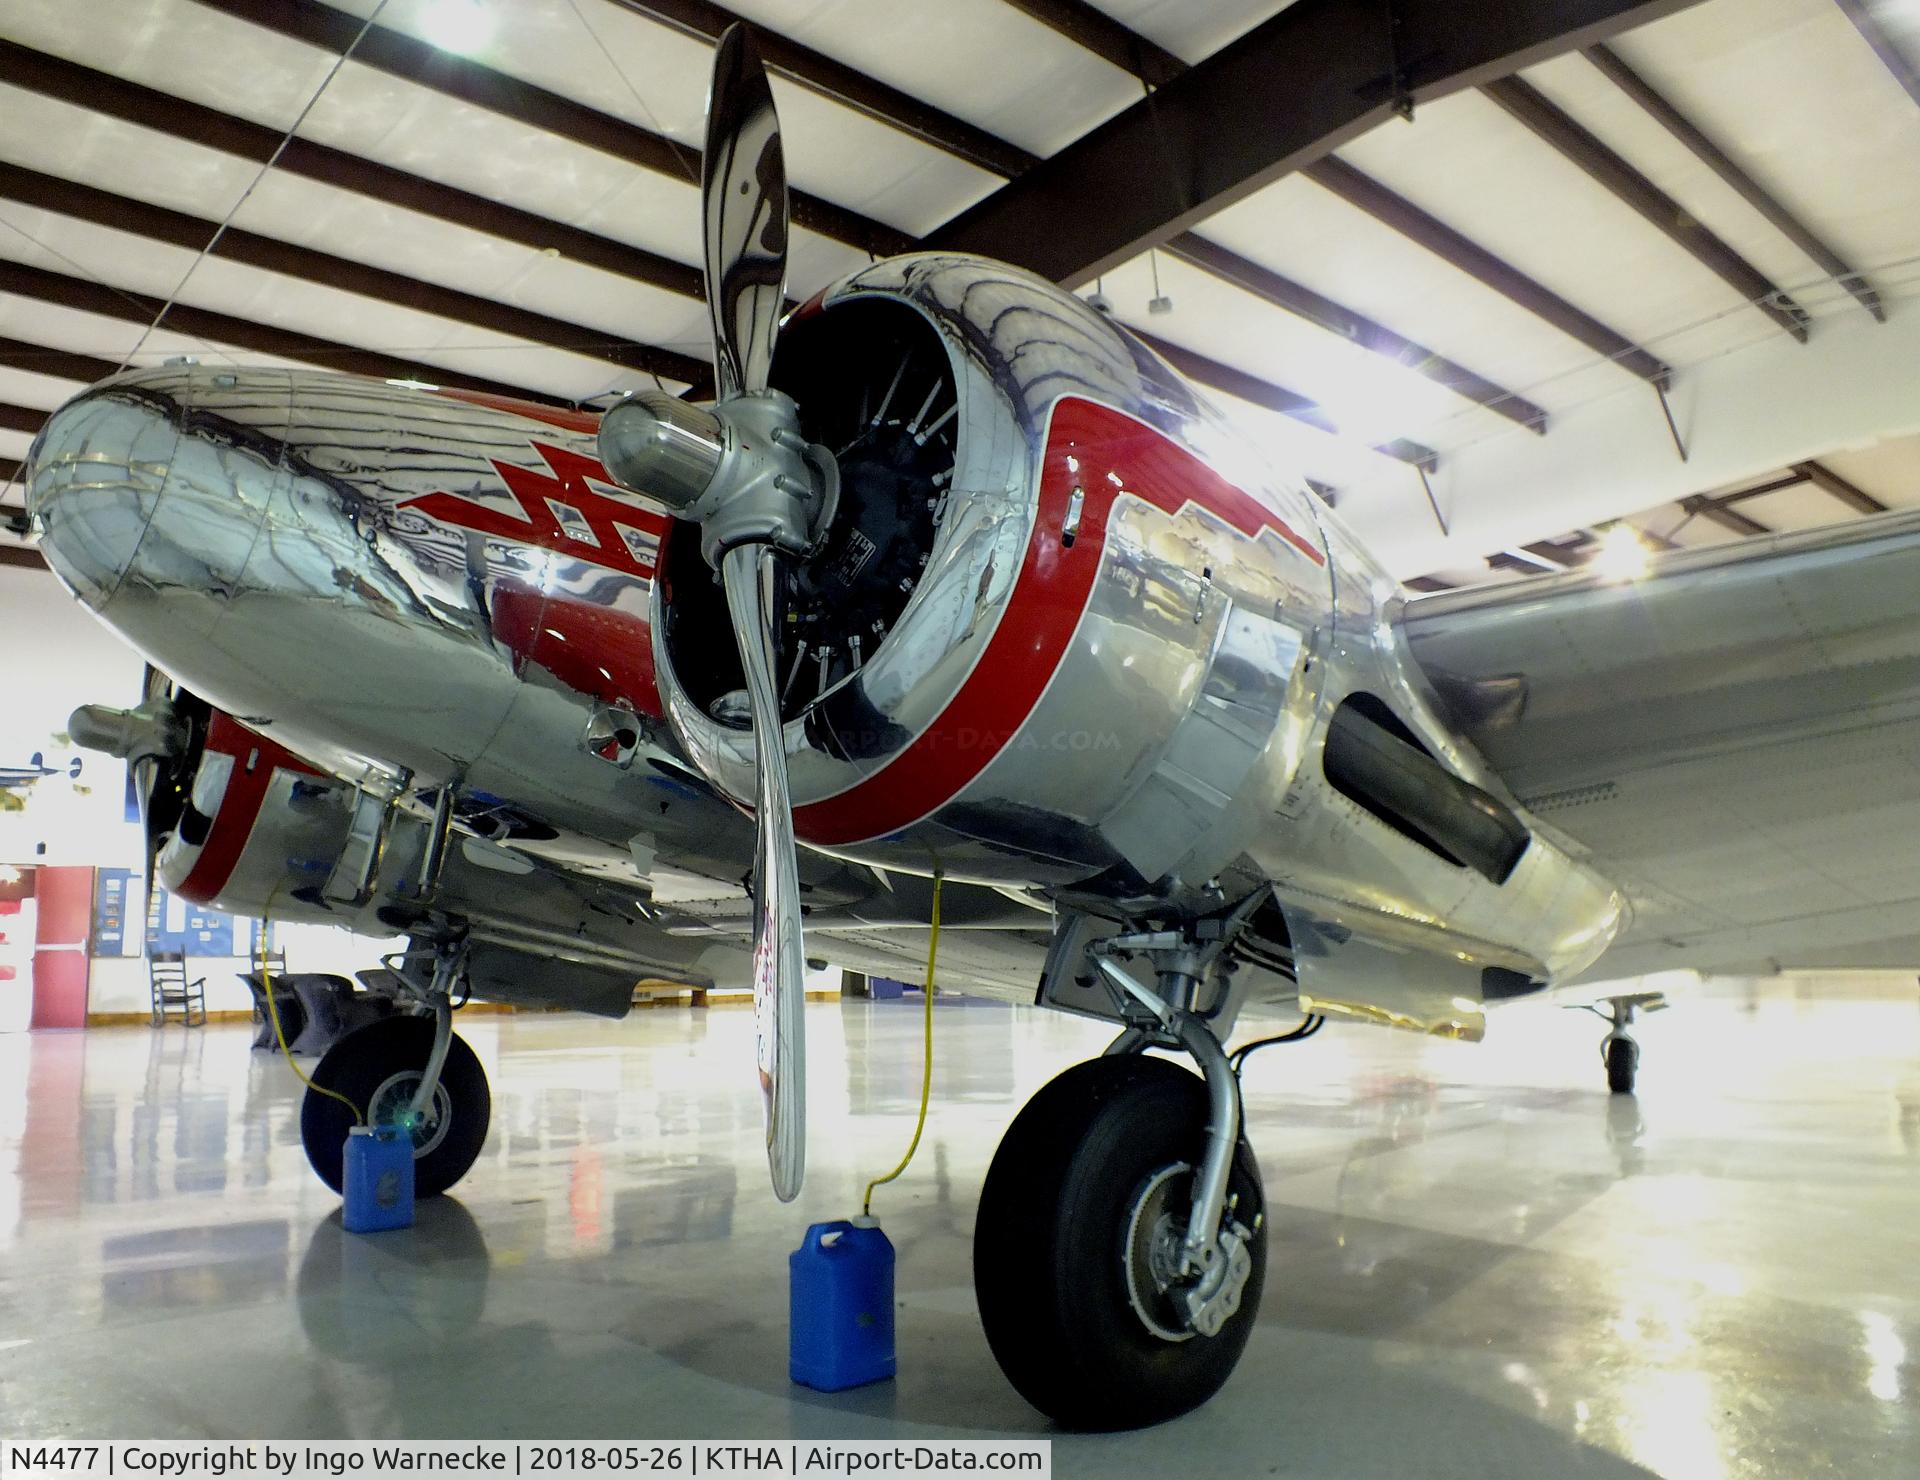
x: 605, y: 517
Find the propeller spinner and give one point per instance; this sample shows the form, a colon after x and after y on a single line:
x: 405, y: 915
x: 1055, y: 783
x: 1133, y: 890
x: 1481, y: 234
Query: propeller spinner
x: 761, y: 494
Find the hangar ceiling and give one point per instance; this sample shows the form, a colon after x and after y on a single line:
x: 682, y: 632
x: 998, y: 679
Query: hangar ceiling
x: 1663, y: 274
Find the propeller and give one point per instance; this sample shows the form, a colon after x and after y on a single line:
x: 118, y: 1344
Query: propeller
x: 153, y: 739
x: 762, y: 495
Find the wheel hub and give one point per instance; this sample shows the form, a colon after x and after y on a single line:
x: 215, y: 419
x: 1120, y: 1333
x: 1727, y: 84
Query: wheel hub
x: 1172, y: 1301
x: 391, y: 1104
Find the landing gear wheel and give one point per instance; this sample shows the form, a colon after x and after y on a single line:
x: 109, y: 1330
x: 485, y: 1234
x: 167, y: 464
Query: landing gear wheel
x: 1622, y: 1058
x: 1076, y: 1247
x: 378, y: 1067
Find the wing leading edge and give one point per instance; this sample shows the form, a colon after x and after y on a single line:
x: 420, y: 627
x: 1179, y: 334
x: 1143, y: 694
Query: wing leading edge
x: 1734, y: 739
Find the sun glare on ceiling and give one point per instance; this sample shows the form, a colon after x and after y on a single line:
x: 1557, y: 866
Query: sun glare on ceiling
x: 457, y: 25
x: 1622, y: 555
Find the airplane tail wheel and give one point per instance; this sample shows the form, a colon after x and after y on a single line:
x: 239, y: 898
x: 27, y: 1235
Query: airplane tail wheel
x: 1075, y: 1254
x: 378, y: 1068
x: 1622, y: 1058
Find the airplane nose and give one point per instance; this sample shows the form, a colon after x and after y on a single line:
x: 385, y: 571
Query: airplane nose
x: 97, y: 472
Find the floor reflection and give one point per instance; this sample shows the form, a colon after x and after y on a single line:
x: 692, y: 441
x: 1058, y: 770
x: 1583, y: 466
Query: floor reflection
x: 390, y: 1300
x: 1475, y: 1250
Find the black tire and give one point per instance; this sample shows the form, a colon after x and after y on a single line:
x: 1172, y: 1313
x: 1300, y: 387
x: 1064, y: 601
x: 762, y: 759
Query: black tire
x: 1623, y: 1057
x: 364, y: 1061
x: 1050, y: 1247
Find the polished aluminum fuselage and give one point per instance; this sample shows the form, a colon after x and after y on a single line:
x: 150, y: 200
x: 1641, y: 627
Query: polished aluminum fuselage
x: 1111, y: 682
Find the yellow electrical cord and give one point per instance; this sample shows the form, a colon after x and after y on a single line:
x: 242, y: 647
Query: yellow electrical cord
x: 273, y: 1016
x: 926, y: 1072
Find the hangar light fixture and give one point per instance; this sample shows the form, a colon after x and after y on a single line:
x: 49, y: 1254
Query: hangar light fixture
x: 457, y: 25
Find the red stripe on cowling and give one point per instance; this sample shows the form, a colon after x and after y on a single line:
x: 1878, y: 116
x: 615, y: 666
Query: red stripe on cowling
x: 1042, y: 614
x: 240, y: 805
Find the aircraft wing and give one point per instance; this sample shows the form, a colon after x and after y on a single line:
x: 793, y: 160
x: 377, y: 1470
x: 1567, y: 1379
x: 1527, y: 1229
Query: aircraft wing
x: 1734, y: 739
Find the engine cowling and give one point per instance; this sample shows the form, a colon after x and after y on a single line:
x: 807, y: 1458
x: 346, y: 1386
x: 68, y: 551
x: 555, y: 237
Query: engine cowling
x: 1041, y: 634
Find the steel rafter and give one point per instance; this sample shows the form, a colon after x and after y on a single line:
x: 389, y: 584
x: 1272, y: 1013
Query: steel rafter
x: 195, y: 123
x: 1288, y: 92
x: 1090, y: 28
x: 1663, y: 112
x: 1316, y: 308
x: 45, y: 286
x: 62, y: 364
x: 157, y: 223
x: 1249, y: 387
x: 1834, y: 486
x: 1526, y: 105
x: 841, y: 83
x: 20, y: 418
x: 1134, y: 53
x: 1398, y: 213
x: 470, y: 82
x: 1720, y: 512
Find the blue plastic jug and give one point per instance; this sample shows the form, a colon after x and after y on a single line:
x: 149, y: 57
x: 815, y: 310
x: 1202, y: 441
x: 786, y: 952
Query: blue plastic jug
x: 840, y: 1331
x: 378, y: 1182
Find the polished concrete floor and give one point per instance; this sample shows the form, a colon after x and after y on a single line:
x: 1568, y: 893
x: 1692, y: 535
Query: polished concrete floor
x: 1482, y: 1264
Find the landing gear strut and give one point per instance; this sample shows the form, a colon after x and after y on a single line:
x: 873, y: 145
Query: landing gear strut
x: 1619, y: 1051
x: 1121, y: 1245
x: 410, y: 1072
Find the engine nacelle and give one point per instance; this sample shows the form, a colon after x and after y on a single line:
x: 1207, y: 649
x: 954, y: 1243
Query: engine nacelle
x: 1043, y: 635
x: 252, y: 829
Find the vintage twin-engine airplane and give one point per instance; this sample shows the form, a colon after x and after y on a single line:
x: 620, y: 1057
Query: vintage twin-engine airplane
x: 35, y: 769
x: 964, y: 589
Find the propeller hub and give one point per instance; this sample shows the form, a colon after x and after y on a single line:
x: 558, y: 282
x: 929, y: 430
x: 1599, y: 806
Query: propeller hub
x: 155, y: 729
x: 742, y: 471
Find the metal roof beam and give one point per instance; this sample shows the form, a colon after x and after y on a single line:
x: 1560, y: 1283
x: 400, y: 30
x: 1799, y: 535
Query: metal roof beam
x: 63, y: 364
x: 1249, y: 387
x: 68, y: 198
x: 843, y: 85
x: 1875, y: 35
x: 26, y: 419
x: 26, y: 557
x: 56, y: 288
x: 1288, y: 92
x: 192, y: 122
x: 195, y: 123
x: 1094, y: 30
x: 1528, y: 106
x: 1720, y: 514
x: 1097, y: 32
x: 470, y: 82
x: 1831, y: 483
x: 1402, y: 215
x: 1759, y: 490
x: 1749, y: 189
x: 1409, y: 220
x: 1295, y: 298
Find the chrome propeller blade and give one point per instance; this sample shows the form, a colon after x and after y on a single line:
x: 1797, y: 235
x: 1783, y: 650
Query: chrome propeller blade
x: 149, y: 739
x: 760, y: 492
x: 744, y: 195
x: 779, y: 960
